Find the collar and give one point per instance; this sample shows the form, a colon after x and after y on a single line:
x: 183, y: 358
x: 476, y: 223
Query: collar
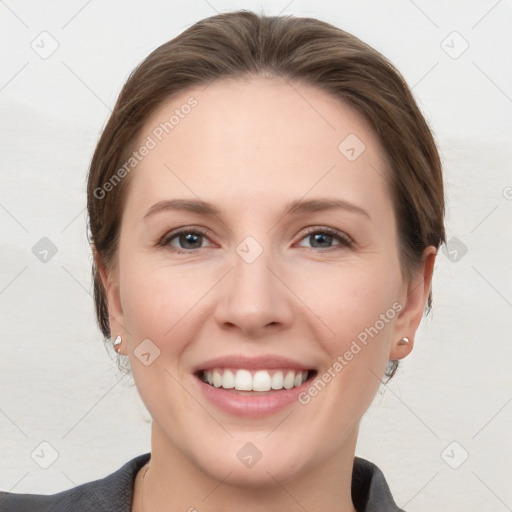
x: 370, y: 492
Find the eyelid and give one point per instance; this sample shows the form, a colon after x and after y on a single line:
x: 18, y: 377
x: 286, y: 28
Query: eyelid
x: 343, y: 237
x: 166, y: 239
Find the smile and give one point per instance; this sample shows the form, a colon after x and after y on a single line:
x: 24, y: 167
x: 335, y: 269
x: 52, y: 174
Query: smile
x: 259, y: 380
x: 252, y: 386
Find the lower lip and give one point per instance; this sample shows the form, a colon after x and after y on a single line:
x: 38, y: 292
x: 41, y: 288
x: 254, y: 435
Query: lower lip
x: 254, y: 405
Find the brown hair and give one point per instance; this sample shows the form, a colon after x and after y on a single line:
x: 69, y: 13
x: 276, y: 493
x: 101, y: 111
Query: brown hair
x: 241, y: 44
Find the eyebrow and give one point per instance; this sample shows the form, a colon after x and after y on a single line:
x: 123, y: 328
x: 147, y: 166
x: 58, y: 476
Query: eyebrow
x: 194, y: 206
x: 299, y: 206
x: 318, y: 205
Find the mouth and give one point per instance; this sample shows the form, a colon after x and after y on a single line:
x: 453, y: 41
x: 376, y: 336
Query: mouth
x: 255, y: 382
x: 250, y: 386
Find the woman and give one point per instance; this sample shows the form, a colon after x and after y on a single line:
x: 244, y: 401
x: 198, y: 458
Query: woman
x: 265, y: 205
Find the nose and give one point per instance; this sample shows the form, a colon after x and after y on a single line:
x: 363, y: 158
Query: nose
x: 254, y: 299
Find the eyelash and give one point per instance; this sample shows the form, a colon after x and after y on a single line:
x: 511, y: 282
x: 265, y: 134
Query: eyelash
x: 165, y: 242
x: 344, y: 240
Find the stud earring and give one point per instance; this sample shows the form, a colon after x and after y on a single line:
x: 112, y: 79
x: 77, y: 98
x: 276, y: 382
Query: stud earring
x: 117, y: 342
x: 403, y: 341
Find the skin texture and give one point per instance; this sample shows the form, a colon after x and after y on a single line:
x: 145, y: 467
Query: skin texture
x: 250, y: 147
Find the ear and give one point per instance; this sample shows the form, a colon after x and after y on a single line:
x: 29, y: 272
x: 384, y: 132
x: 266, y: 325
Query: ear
x: 414, y: 299
x: 110, y: 282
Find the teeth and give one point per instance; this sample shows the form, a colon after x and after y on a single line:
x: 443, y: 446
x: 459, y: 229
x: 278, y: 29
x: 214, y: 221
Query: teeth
x: 243, y: 380
x: 228, y: 380
x: 260, y: 380
x: 289, y: 380
x: 277, y: 380
x: 217, y: 379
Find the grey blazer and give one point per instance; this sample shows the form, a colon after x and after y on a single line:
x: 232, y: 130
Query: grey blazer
x: 114, y: 493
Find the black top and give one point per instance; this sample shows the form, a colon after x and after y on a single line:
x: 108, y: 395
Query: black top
x: 114, y: 493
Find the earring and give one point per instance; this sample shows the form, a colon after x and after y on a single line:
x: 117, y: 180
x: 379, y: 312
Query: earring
x: 117, y: 342
x: 403, y: 341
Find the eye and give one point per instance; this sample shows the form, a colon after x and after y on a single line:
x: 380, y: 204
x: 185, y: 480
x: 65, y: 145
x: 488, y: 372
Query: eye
x: 185, y: 241
x: 324, y: 238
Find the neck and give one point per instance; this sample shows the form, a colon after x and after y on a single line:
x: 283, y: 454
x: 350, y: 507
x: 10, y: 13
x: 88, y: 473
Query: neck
x: 171, y: 482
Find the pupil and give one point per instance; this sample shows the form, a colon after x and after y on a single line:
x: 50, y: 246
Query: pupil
x: 321, y: 238
x: 189, y: 239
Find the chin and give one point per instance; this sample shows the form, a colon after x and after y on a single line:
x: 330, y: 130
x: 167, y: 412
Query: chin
x: 253, y: 464
x: 260, y: 475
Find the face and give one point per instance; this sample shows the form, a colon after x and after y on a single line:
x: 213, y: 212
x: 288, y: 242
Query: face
x: 259, y: 235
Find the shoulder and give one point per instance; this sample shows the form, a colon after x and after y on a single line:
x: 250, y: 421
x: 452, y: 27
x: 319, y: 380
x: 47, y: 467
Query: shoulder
x: 112, y: 493
x: 370, y: 491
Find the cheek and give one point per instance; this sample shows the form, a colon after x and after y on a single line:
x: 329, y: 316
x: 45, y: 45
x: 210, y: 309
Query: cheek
x: 156, y: 298
x: 157, y: 303
x: 359, y: 306
x: 357, y: 312
x: 352, y: 300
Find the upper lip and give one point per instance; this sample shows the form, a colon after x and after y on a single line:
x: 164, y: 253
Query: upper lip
x: 264, y: 362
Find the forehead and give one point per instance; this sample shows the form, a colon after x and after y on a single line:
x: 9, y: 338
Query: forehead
x: 263, y: 136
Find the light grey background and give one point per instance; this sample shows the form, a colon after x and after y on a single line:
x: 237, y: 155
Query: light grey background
x: 60, y: 386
